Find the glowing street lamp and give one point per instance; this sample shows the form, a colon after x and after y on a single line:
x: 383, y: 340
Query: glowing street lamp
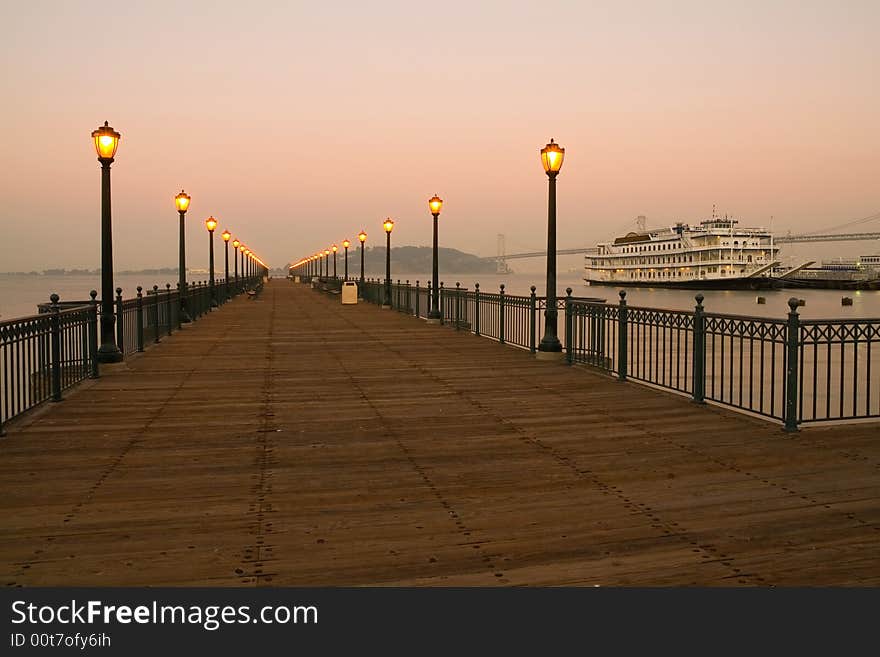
x: 211, y: 224
x: 435, y: 203
x: 345, y: 245
x: 326, y: 263
x: 551, y: 158
x: 235, y: 244
x: 388, y: 225
x: 334, y: 248
x: 362, y: 236
x: 106, y: 143
x: 226, y: 235
x: 182, y: 202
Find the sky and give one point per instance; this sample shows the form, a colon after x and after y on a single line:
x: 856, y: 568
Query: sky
x: 297, y: 124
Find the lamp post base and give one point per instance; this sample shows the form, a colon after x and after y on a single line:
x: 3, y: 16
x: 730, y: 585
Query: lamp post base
x: 385, y: 306
x: 433, y: 320
x: 109, y: 353
x: 549, y: 355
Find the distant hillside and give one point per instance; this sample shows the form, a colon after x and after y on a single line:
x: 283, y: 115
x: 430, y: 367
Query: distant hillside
x: 413, y: 260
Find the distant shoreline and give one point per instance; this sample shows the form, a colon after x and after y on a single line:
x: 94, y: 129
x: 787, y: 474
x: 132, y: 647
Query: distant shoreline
x: 404, y: 258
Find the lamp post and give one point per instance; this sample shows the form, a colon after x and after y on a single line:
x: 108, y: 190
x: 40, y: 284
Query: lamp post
x: 345, y: 245
x: 435, y: 203
x: 182, y: 202
x: 106, y: 142
x: 326, y: 263
x: 211, y: 224
x: 334, y: 248
x: 246, y: 259
x: 226, y: 235
x: 388, y: 225
x: 235, y: 245
x: 362, y: 236
x: 550, y: 347
x: 241, y: 249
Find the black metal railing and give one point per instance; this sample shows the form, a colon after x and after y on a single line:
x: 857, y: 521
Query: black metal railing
x: 44, y: 354
x: 788, y: 369
x: 838, y: 369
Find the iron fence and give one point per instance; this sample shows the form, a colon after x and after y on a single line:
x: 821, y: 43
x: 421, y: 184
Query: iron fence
x: 44, y: 354
x: 790, y: 370
x: 838, y: 369
x: 787, y: 369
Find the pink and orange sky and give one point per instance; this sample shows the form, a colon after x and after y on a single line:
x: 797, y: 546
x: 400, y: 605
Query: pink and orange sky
x: 296, y: 124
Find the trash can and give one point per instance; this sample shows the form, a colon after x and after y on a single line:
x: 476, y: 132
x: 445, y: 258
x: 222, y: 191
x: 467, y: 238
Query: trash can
x: 349, y: 292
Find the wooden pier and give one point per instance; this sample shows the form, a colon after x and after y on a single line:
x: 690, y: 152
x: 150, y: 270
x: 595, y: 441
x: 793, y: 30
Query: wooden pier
x: 290, y: 440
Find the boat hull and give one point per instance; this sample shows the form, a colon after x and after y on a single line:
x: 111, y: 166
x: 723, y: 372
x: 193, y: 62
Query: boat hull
x: 730, y: 284
x: 831, y: 284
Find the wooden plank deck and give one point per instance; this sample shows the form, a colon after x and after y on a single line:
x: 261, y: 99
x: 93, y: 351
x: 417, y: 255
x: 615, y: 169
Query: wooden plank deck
x: 294, y: 441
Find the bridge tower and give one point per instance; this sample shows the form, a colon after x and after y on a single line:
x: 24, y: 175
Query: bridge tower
x: 501, y: 266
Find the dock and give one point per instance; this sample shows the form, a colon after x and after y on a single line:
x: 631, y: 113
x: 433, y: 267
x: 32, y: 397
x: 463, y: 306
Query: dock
x: 289, y: 440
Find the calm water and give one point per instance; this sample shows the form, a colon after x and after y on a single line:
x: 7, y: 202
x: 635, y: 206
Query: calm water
x: 19, y: 295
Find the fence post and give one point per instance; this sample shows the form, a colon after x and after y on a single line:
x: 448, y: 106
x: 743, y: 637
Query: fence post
x: 569, y: 332
x: 622, y: 336
x: 792, y: 343
x: 442, y: 304
x: 501, y: 314
x: 699, y: 355
x: 55, y: 329
x: 457, y: 306
x: 417, y: 299
x: 93, y: 335
x: 120, y: 325
x: 533, y: 314
x: 156, y: 311
x: 140, y: 318
x: 168, y: 305
x: 477, y: 308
